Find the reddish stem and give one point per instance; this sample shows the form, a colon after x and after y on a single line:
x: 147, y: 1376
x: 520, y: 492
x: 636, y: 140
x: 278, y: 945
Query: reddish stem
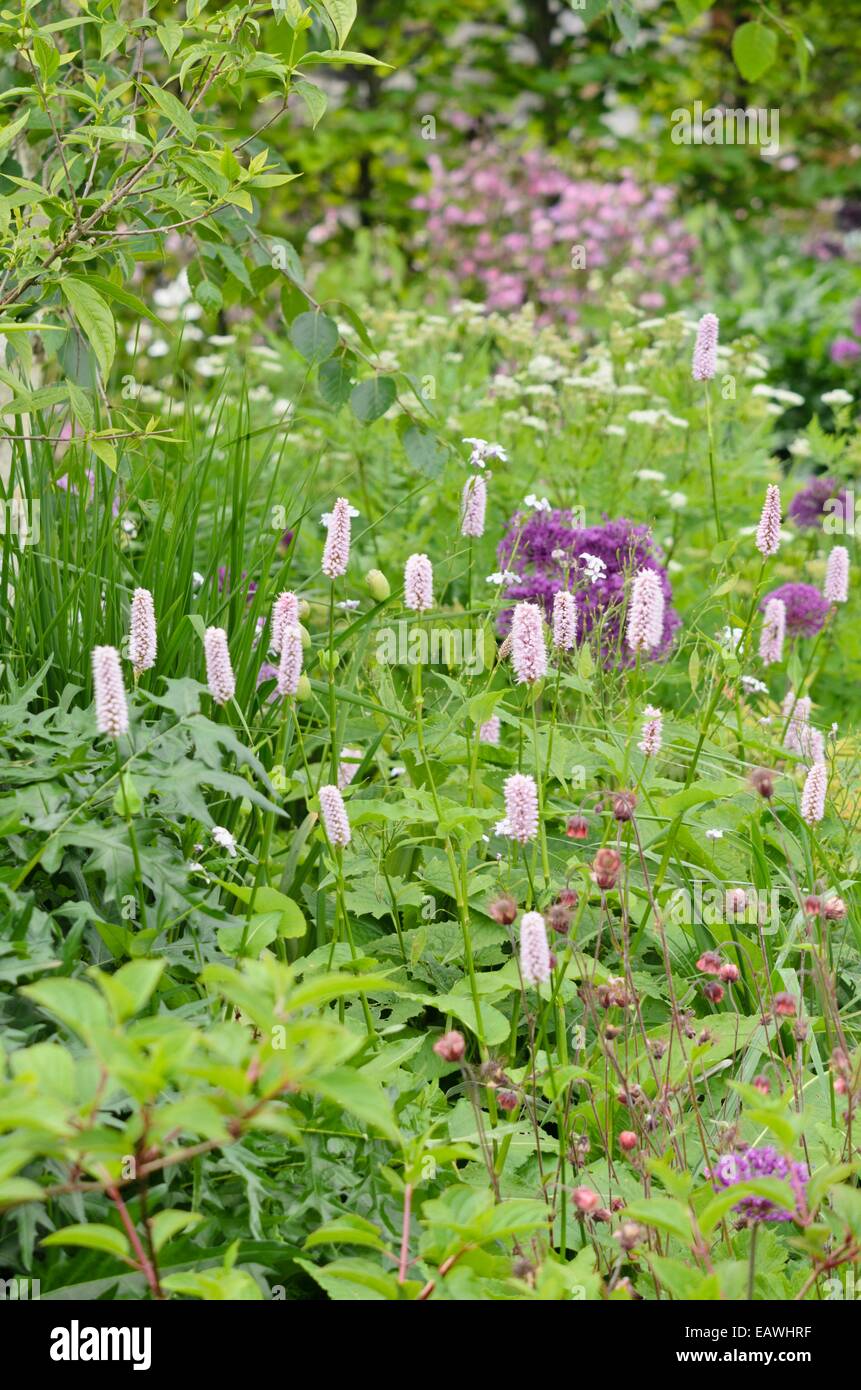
x: 405, y: 1234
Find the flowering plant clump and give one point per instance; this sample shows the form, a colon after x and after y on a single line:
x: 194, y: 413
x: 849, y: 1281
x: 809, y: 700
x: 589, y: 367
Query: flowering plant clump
x: 596, y: 563
x: 766, y: 1162
x: 806, y: 608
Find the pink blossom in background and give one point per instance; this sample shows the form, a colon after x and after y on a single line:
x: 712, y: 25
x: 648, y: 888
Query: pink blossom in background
x: 534, y: 950
x: 521, y: 807
x: 773, y: 632
x: 768, y: 531
x: 528, y: 652
x: 112, y: 715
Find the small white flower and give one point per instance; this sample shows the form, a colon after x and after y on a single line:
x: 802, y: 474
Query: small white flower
x: 224, y: 838
x: 538, y: 504
x: 348, y: 604
x: 618, y: 430
x: 503, y: 577
x: 196, y: 580
x: 753, y: 686
x: 730, y: 638
x: 558, y: 555
x: 650, y: 475
x: 714, y: 834
x: 800, y: 448
x: 838, y: 397
x: 677, y: 500
x: 594, y: 566
x: 502, y: 828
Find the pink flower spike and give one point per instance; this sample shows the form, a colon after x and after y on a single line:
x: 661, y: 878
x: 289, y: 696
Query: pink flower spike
x: 773, y: 632
x: 418, y: 584
x: 705, y: 349
x: 768, y: 530
x: 473, y: 507
x: 646, y: 612
x: 285, y: 613
x: 142, y: 634
x: 290, y: 665
x: 653, y: 731
x: 336, y: 551
x: 837, y: 575
x: 798, y: 714
x: 521, y: 807
x: 334, y: 814
x: 219, y: 671
x: 489, y: 731
x: 528, y: 652
x: 813, y: 796
x: 112, y: 715
x: 534, y: 950
x: 564, y: 620
x: 348, y: 766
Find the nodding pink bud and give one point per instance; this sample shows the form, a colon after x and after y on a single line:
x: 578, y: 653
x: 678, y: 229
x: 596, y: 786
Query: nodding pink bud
x: 489, y: 731
x: 762, y: 1084
x: 112, y: 715
x: 798, y: 714
x: 507, y: 1100
x: 837, y: 575
x: 348, y: 766
x: 704, y: 364
x: 628, y: 1141
x: 785, y: 1005
x: 503, y: 909
x: 521, y: 807
x: 762, y: 781
x: 773, y: 632
x: 768, y: 530
x: 334, y: 814
x: 713, y: 991
x: 285, y: 613
x: 834, y: 909
x: 653, y: 731
x: 219, y: 672
x: 418, y: 584
x: 528, y: 652
x: 728, y: 972
x: 646, y: 612
x: 290, y: 665
x: 451, y: 1046
x: 813, y: 796
x: 585, y: 1200
x: 534, y: 950
x: 577, y: 828
x: 336, y: 551
x: 812, y: 905
x: 473, y: 507
x: 709, y: 963
x: 142, y: 635
x: 564, y: 620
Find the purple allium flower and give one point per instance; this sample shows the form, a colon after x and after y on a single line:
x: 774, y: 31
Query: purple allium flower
x: 290, y: 665
x: 813, y: 795
x: 534, y: 950
x: 418, y: 584
x: 521, y: 807
x: 773, y: 632
x: 219, y: 671
x: 142, y: 633
x: 820, y: 497
x: 768, y: 530
x: 645, y: 612
x: 285, y: 613
x: 844, y: 350
x: 836, y: 588
x: 705, y: 348
x: 473, y: 507
x: 112, y: 715
x: 764, y: 1162
x: 806, y: 608
x: 334, y: 815
x: 528, y: 652
x: 489, y: 731
x: 549, y: 551
x: 348, y: 766
x: 653, y: 731
x: 336, y: 552
x: 564, y: 620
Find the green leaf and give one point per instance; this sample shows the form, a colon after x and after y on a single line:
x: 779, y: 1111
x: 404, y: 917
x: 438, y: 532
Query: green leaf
x: 112, y: 35
x: 314, y: 336
x: 166, y: 1224
x: 77, y: 1005
x: 291, y: 917
x: 347, y: 1230
x: 754, y: 48
x: 174, y: 110
x: 169, y: 36
x: 314, y: 99
x: 361, y: 1096
x: 371, y: 399
x: 424, y: 451
x: 334, y: 55
x: 691, y: 10
x: 8, y: 133
x: 335, y: 381
x: 122, y: 296
x: 92, y: 1236
x: 665, y: 1214
x: 94, y: 319
x: 343, y: 16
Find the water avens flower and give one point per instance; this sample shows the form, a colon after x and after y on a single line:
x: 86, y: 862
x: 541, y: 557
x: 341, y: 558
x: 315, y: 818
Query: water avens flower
x: 564, y: 620
x: 645, y: 612
x: 836, y: 588
x: 473, y: 507
x: 290, y: 665
x: 348, y: 766
x: 653, y: 731
x: 806, y: 608
x: 813, y: 795
x: 534, y: 950
x: 704, y: 364
x: 336, y: 551
x: 334, y: 815
x: 142, y: 633
x: 768, y: 530
x: 219, y: 671
x: 521, y: 807
x: 285, y: 613
x: 418, y: 584
x: 112, y: 714
x: 528, y: 652
x: 773, y: 632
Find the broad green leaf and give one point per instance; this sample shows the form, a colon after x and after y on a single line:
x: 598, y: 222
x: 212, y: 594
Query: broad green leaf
x: 754, y: 48
x: 343, y: 16
x: 314, y: 99
x: 92, y: 1236
x: 371, y: 399
x: 94, y: 319
x: 265, y: 899
x: 176, y: 113
x: 314, y: 336
x: 361, y: 1096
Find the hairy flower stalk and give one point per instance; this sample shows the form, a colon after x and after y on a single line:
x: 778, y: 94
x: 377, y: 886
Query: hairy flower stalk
x: 336, y: 551
x: 836, y: 588
x: 768, y: 530
x: 646, y: 612
x: 219, y: 671
x: 564, y: 620
x: 112, y: 715
x: 653, y: 731
x: 473, y: 507
x: 528, y: 652
x: 773, y: 632
x: 142, y: 632
x: 534, y: 950
x: 285, y: 613
x: 334, y: 815
x: 418, y: 584
x: 521, y: 807
x: 704, y: 364
x: 290, y: 665
x: 813, y: 795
